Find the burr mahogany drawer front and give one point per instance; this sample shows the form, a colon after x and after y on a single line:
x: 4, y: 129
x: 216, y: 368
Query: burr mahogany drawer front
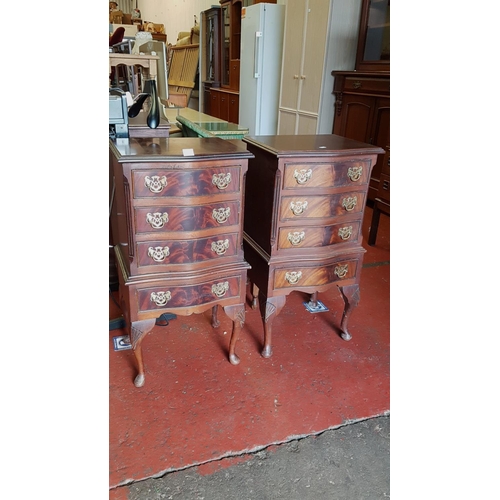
x: 168, y: 252
x: 191, y: 295
x: 329, y: 174
x: 311, y: 207
x: 311, y: 275
x: 185, y: 182
x: 158, y: 219
x: 319, y: 236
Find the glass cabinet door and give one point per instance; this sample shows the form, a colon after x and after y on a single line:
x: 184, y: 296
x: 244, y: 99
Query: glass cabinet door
x: 226, y: 25
x: 374, y: 36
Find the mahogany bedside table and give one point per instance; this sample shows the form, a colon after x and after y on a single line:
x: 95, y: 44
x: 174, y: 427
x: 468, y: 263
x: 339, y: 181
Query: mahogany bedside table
x: 305, y: 200
x: 177, y: 224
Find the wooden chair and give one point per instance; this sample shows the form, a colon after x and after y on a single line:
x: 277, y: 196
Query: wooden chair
x: 182, y: 70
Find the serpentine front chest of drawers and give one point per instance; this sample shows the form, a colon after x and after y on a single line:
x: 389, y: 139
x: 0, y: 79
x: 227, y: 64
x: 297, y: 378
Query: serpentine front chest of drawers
x: 305, y: 199
x: 176, y: 221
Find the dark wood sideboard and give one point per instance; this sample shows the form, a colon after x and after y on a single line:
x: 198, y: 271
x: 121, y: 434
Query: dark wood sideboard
x: 177, y: 231
x: 305, y: 200
x: 362, y: 113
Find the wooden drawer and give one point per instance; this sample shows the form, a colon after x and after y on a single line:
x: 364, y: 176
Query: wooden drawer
x: 170, y: 297
x: 319, y: 236
x: 159, y: 219
x: 360, y: 84
x: 313, y: 207
x: 188, y: 251
x: 338, y: 174
x: 304, y: 275
x: 185, y: 182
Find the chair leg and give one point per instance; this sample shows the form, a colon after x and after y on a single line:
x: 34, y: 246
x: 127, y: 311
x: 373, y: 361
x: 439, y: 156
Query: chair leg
x: 372, y: 236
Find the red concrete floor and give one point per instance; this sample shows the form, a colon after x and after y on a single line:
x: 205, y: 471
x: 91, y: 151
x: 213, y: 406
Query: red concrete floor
x: 195, y: 407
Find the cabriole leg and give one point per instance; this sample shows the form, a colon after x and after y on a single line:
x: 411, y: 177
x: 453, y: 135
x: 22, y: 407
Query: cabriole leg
x: 269, y: 310
x: 350, y: 294
x: 237, y: 315
x: 138, y: 330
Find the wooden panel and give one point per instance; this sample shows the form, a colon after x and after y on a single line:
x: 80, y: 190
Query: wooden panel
x: 182, y: 69
x: 292, y: 52
x: 314, y: 54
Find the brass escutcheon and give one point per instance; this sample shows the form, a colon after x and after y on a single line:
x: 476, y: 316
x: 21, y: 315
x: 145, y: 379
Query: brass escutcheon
x: 302, y: 176
x: 161, y: 298
x: 158, y: 254
x: 296, y: 238
x: 155, y: 183
x: 298, y: 207
x: 157, y: 219
x: 222, y: 181
x: 293, y: 277
x: 355, y: 173
x: 341, y: 270
x: 345, y: 232
x: 220, y: 247
x: 349, y: 203
x: 220, y: 289
x: 221, y: 215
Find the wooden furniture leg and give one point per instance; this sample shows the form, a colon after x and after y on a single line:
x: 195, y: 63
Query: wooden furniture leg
x: 215, y: 319
x: 350, y: 294
x: 313, y: 300
x: 255, y: 294
x: 237, y: 314
x: 270, y: 308
x: 138, y: 330
x: 372, y: 236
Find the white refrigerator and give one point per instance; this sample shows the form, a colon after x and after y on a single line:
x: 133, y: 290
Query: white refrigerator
x: 262, y: 27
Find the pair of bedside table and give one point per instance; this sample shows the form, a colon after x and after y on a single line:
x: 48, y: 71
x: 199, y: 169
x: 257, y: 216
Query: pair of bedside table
x: 193, y: 218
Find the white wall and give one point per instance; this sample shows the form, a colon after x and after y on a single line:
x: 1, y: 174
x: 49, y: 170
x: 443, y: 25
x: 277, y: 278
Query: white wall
x: 175, y: 15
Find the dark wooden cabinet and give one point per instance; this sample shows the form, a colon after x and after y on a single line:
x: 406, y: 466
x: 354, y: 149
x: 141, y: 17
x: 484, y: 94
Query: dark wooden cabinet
x: 362, y: 113
x: 223, y: 101
x: 210, y: 62
x: 305, y: 201
x: 177, y: 231
x: 362, y: 96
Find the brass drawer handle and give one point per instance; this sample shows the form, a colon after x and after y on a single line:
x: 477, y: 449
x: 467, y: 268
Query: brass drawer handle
x: 221, y: 215
x: 345, y: 232
x: 155, y: 183
x: 220, y: 289
x: 161, y: 298
x: 222, y: 181
x: 293, y: 277
x: 349, y: 203
x: 357, y: 85
x: 296, y: 238
x: 298, y: 207
x: 302, y: 176
x: 220, y: 247
x: 341, y: 271
x: 355, y: 173
x: 158, y: 254
x: 157, y: 219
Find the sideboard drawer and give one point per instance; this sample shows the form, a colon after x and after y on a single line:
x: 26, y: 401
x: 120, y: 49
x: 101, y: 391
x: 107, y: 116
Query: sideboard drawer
x: 309, y: 207
x: 318, y: 236
x: 171, y: 297
x: 360, y: 84
x: 159, y: 219
x: 337, y: 174
x: 314, y: 276
x: 170, y: 252
x: 185, y: 182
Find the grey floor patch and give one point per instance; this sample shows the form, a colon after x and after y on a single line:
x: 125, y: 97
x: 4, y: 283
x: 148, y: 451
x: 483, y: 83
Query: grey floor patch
x: 320, y: 307
x: 122, y: 343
